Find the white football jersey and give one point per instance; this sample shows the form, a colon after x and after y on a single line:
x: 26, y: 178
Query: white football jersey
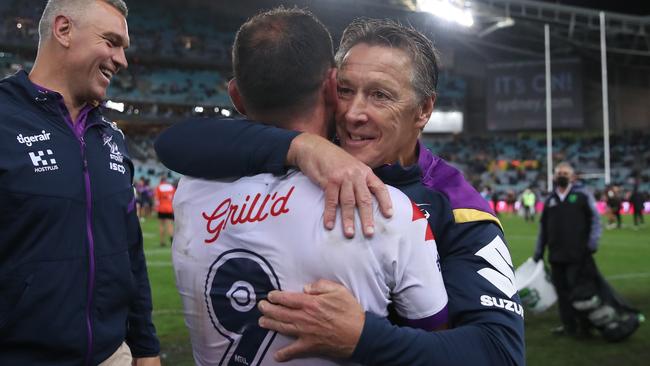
x: 236, y: 241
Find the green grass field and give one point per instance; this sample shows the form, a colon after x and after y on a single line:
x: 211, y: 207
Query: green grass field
x: 624, y: 259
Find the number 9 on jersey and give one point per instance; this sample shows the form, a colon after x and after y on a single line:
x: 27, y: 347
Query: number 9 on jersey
x: 237, y: 280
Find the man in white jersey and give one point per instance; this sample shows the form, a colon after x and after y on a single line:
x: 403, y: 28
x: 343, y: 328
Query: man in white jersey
x: 235, y: 241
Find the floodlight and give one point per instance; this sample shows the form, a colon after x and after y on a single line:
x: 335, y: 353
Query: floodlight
x: 115, y: 105
x: 448, y: 10
x: 503, y: 23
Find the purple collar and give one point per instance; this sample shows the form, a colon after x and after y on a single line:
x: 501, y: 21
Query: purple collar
x: 78, y: 126
x: 438, y: 175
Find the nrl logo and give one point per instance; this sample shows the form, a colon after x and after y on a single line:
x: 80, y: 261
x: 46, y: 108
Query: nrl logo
x: 115, y: 153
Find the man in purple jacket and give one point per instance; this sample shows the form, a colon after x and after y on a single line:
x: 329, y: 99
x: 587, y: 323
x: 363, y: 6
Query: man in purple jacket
x: 74, y: 288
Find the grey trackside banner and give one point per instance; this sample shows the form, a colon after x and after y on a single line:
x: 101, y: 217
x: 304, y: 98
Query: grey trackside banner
x: 516, y: 98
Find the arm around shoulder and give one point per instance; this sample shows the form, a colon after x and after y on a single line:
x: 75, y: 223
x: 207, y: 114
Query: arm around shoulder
x: 382, y: 343
x: 220, y: 148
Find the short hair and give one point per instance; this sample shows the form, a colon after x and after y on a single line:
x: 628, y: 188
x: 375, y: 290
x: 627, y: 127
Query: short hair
x: 280, y: 59
x: 71, y: 8
x: 564, y: 164
x: 388, y: 33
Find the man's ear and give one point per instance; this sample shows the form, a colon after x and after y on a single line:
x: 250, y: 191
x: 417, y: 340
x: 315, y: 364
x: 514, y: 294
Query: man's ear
x: 235, y: 97
x: 62, y: 30
x: 426, y: 108
x: 329, y: 88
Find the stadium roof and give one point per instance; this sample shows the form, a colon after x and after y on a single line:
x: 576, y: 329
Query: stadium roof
x: 623, y: 7
x: 572, y: 25
x: 502, y: 29
x: 516, y: 27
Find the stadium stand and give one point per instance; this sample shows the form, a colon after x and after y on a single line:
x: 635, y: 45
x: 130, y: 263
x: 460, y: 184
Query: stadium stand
x: 180, y: 64
x: 510, y: 162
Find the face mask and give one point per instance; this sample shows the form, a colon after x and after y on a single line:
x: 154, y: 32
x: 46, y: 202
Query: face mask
x: 562, y: 181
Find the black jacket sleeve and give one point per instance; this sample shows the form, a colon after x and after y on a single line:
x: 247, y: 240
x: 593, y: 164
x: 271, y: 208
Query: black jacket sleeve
x: 219, y: 148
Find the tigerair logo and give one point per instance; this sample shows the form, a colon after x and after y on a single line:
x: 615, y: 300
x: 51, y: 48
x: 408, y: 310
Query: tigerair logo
x: 30, y: 140
x: 500, y: 276
x: 43, y: 161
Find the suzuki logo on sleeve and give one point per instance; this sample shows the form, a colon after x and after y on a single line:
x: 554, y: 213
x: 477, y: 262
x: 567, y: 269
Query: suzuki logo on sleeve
x: 496, y: 254
x: 41, y: 162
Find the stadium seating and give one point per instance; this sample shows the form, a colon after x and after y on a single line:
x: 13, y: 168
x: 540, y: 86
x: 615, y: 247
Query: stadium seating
x: 177, y: 63
x: 512, y: 163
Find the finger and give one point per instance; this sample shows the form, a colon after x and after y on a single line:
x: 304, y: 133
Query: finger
x: 379, y: 189
x: 277, y: 326
x: 348, y: 204
x: 293, y: 300
x: 278, y: 313
x: 363, y: 198
x: 331, y: 202
x: 296, y: 349
x: 322, y: 286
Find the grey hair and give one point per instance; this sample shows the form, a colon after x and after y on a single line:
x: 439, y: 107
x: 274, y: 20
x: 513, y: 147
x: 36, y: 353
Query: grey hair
x: 385, y: 32
x: 71, y: 8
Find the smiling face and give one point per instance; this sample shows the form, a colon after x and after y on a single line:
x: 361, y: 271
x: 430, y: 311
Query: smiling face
x: 96, y: 51
x: 379, y: 116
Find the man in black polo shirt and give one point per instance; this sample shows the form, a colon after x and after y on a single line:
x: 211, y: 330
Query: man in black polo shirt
x: 570, y: 226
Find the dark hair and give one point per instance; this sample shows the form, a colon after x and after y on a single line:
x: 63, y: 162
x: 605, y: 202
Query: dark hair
x: 280, y: 59
x: 385, y: 32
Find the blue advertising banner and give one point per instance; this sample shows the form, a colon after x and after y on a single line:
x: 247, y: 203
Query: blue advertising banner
x: 516, y: 95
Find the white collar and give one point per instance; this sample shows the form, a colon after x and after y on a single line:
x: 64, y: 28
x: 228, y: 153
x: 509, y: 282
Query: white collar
x: 562, y: 196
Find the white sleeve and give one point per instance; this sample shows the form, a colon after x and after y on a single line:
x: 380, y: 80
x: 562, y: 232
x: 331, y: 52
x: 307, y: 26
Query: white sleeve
x: 419, y: 290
